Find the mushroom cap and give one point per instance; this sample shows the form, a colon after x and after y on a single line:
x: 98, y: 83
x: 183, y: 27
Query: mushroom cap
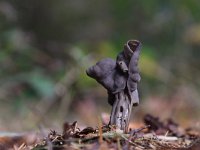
x: 119, y: 75
x: 107, y: 74
x: 101, y: 69
x: 130, y: 47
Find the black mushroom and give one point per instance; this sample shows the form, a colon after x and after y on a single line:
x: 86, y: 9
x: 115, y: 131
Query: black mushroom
x: 120, y: 77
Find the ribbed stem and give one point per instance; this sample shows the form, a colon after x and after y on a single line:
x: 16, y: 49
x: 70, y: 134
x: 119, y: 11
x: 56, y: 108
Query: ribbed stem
x: 121, y: 111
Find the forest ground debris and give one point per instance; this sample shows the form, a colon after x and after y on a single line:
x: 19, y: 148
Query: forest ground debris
x: 155, y: 135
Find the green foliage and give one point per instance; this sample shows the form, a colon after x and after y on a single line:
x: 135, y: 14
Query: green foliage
x: 41, y: 83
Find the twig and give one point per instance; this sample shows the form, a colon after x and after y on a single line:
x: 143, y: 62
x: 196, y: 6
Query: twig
x: 161, y: 137
x: 100, y: 131
x: 133, y: 132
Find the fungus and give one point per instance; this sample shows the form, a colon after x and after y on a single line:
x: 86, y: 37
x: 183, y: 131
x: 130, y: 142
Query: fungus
x: 120, y: 79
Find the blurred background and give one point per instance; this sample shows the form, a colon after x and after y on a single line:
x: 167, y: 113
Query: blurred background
x: 46, y: 46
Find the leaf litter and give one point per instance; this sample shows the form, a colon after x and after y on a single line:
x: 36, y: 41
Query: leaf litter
x: 155, y: 134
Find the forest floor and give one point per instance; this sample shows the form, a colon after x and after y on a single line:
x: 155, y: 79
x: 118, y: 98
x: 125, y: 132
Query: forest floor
x: 153, y: 134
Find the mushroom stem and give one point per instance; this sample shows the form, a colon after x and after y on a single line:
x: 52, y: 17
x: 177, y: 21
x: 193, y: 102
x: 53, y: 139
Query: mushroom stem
x: 121, y: 110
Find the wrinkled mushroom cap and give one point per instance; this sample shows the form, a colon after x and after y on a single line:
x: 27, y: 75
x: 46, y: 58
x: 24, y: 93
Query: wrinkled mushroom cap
x: 101, y: 69
x: 130, y: 47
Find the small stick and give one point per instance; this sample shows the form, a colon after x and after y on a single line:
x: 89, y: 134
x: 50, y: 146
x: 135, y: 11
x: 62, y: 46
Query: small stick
x: 100, y: 131
x: 133, y: 132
